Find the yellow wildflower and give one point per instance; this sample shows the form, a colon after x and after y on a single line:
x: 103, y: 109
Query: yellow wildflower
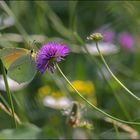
x: 57, y: 94
x: 85, y: 87
x: 43, y: 91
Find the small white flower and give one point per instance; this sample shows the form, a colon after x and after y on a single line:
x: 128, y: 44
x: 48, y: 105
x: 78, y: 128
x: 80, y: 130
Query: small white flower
x: 61, y: 103
x: 64, y: 102
x: 105, y: 48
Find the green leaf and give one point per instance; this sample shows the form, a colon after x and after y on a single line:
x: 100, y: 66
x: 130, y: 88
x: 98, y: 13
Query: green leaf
x: 23, y: 69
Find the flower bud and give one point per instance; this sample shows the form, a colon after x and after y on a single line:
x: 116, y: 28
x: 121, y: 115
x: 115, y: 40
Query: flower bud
x: 95, y: 37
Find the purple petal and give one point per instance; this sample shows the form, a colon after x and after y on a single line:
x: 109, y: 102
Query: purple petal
x: 50, y: 53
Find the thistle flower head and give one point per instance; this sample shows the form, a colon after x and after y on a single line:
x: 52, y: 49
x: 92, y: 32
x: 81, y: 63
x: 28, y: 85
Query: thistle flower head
x: 50, y: 53
x: 126, y: 40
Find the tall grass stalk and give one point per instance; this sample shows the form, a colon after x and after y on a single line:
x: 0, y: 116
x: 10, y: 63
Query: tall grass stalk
x: 8, y: 92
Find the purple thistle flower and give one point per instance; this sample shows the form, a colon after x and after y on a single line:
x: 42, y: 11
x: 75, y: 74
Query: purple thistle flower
x: 126, y: 40
x: 108, y: 36
x: 49, y: 54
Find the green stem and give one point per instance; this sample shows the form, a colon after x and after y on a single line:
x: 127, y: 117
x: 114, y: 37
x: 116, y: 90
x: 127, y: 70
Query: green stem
x: 8, y: 92
x: 93, y: 106
x: 100, y: 70
x: 115, y: 78
x: 18, y: 25
x: 94, y: 59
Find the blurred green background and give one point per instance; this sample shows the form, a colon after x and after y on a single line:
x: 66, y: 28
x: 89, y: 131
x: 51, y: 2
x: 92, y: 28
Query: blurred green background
x: 71, y: 22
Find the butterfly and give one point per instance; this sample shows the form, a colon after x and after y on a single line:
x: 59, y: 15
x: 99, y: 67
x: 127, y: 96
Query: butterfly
x: 19, y: 63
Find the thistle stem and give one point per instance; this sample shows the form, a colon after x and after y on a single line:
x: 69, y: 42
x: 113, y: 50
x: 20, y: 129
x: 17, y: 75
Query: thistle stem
x: 93, y: 106
x: 8, y: 92
x: 115, y: 78
x: 100, y: 70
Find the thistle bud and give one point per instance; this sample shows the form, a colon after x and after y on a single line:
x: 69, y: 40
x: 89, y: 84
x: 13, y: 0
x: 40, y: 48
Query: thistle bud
x: 95, y: 37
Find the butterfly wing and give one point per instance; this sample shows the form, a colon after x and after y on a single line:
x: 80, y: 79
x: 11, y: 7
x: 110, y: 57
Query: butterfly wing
x: 23, y: 69
x: 10, y: 55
